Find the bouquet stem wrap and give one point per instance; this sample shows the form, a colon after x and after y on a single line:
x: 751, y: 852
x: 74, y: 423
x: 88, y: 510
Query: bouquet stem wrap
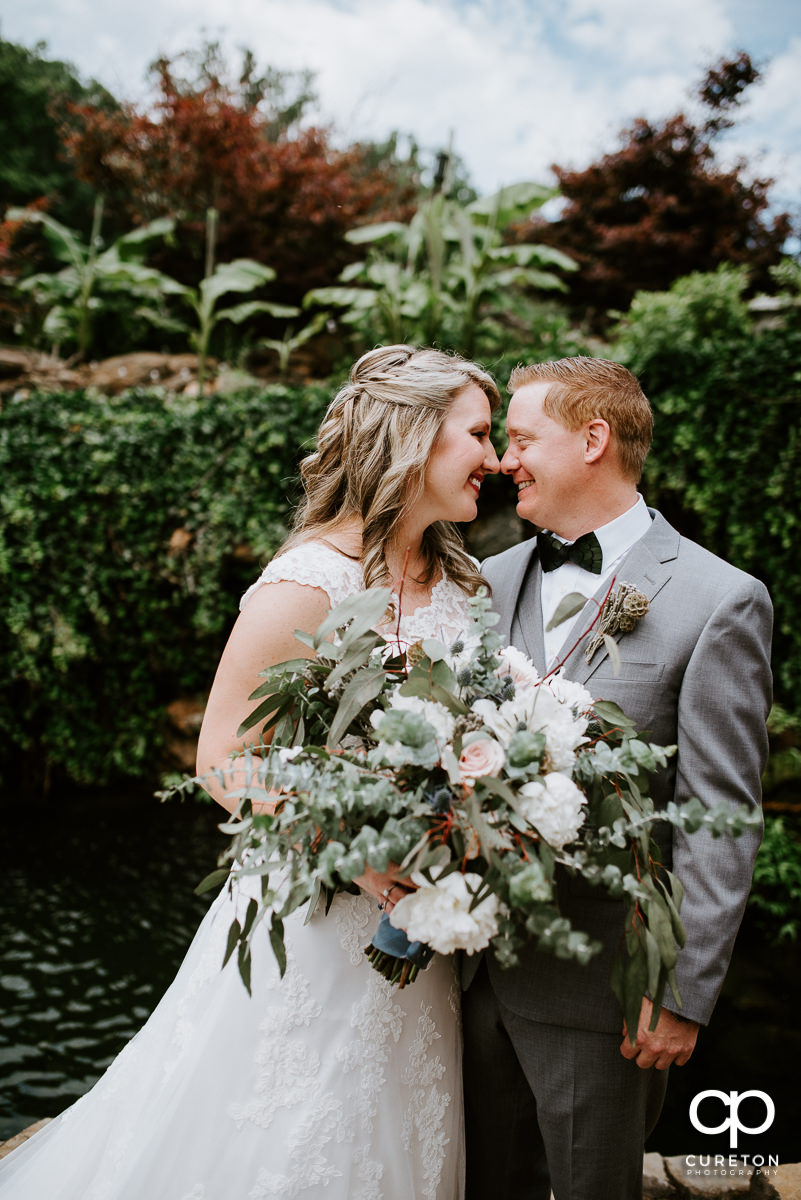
x: 394, y: 956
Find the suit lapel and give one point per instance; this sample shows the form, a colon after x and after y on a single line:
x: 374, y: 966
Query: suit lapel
x: 516, y: 600
x: 647, y: 567
x: 528, y: 615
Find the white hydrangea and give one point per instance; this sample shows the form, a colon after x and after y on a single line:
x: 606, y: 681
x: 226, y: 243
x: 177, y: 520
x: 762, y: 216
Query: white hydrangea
x: 438, y: 914
x: 437, y: 715
x: 555, y: 807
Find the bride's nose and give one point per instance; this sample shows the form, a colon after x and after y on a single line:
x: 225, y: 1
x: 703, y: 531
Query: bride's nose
x: 491, y: 464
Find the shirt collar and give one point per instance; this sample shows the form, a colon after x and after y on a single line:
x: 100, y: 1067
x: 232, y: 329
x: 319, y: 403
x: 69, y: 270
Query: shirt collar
x: 617, y: 537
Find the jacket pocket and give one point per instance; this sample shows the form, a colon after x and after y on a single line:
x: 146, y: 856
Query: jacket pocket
x: 648, y: 672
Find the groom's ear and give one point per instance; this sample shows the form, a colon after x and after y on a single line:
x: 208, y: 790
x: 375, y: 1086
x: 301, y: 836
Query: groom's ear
x: 597, y: 435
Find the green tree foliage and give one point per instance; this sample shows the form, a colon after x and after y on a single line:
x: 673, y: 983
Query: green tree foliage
x: 660, y: 207
x: 129, y: 527
x: 726, y: 459
x: 35, y: 94
x: 236, y: 142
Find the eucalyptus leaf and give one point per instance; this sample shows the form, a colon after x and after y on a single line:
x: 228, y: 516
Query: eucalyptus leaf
x: 234, y: 933
x: 363, y: 610
x: 214, y: 880
x: 612, y: 713
x: 277, y: 943
x: 314, y: 899
x: 654, y: 961
x: 363, y: 688
x: 357, y: 654
x: 245, y: 963
x: 570, y: 606
x: 613, y: 651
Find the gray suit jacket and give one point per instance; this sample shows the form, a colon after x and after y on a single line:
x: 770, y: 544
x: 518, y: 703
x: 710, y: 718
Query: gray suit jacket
x: 696, y: 673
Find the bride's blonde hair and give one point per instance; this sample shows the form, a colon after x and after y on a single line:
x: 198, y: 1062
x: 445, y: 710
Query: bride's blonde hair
x: 373, y: 447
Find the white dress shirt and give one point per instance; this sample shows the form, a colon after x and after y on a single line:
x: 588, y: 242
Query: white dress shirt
x: 616, y: 539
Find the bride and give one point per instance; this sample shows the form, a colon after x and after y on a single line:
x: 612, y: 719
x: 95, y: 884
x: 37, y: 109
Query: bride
x: 328, y: 1083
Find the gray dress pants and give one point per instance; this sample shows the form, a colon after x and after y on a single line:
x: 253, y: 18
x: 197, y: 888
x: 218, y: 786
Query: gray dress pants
x: 549, y: 1107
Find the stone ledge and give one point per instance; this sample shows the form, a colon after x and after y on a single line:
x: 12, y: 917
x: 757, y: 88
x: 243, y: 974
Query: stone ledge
x: 672, y: 1179
x: 22, y: 1136
x: 663, y: 1178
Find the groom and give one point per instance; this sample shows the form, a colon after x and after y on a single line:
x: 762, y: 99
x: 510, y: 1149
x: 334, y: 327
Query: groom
x: 556, y: 1095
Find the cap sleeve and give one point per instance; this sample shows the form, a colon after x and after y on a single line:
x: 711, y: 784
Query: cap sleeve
x: 315, y: 565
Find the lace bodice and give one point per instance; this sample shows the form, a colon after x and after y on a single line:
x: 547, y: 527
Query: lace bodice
x: 317, y: 564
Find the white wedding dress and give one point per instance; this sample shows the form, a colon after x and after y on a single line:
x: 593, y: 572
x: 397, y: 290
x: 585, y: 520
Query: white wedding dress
x: 328, y: 1084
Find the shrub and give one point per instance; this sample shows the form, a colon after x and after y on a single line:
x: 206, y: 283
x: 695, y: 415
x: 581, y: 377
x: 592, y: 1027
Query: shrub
x: 128, y: 529
x: 775, y: 898
x: 726, y: 460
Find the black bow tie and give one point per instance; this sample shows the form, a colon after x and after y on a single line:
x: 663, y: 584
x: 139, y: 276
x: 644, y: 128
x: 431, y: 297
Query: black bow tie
x: 585, y: 552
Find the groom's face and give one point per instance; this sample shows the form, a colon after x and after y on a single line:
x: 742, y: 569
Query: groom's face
x: 546, y: 463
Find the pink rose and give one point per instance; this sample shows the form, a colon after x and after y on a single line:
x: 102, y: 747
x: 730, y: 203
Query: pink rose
x: 482, y: 757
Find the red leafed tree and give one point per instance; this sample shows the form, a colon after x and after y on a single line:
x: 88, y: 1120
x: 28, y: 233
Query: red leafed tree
x: 284, y: 195
x: 660, y: 207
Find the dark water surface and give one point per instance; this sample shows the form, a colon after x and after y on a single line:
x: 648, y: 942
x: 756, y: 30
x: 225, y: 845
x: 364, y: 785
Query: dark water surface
x: 97, y: 910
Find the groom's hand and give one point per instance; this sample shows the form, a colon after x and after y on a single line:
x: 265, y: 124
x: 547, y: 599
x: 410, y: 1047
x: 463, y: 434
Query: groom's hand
x: 672, y: 1041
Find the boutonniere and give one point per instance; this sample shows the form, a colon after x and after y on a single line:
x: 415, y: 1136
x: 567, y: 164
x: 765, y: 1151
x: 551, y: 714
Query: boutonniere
x: 622, y: 609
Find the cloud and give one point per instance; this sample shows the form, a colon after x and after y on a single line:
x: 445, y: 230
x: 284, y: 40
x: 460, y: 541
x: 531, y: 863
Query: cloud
x: 521, y: 84
x: 768, y: 131
x: 654, y: 36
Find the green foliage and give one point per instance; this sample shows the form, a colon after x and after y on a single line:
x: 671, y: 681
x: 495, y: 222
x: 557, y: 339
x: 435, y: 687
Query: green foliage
x: 726, y: 460
x: 243, y: 276
x: 291, y: 341
x: 776, y: 893
x: 783, y: 771
x: 447, y: 277
x: 71, y: 297
x: 129, y: 527
x: 36, y: 94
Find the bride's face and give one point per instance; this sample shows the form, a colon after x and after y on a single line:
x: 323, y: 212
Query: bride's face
x: 463, y: 454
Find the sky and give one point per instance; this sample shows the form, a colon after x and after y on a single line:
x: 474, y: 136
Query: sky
x: 517, y: 84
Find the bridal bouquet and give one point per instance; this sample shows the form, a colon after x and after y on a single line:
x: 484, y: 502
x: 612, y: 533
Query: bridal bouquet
x: 476, y: 778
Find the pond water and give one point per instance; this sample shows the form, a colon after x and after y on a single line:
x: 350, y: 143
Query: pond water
x: 97, y: 909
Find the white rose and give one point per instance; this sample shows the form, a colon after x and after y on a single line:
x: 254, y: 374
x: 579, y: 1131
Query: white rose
x: 438, y: 914
x: 482, y: 757
x: 555, y: 807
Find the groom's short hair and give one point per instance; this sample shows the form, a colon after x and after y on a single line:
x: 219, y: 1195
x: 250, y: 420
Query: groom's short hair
x: 584, y: 388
